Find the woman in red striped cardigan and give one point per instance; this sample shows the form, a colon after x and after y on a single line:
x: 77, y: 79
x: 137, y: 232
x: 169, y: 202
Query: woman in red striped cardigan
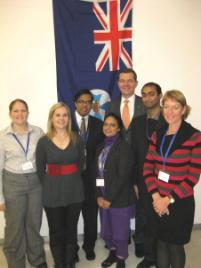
x: 171, y: 170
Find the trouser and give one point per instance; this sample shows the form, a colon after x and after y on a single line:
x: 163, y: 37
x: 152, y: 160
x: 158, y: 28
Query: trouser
x: 89, y: 213
x: 145, y: 227
x: 170, y: 255
x: 62, y: 223
x: 23, y: 216
x: 115, y: 227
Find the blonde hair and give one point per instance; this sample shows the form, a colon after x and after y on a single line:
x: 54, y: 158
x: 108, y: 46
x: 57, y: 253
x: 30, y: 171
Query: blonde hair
x: 50, y: 127
x: 178, y: 96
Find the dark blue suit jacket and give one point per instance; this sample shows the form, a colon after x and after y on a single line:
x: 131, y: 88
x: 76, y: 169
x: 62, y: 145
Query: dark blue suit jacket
x: 94, y: 138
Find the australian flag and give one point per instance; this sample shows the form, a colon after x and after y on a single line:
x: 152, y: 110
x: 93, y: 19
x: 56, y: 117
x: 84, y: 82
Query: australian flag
x: 93, y: 41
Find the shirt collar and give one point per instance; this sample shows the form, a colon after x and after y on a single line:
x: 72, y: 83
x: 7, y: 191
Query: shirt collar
x: 10, y: 130
x: 131, y: 99
x: 79, y: 117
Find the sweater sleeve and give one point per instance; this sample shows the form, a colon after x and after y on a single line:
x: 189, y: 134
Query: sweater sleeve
x: 148, y: 170
x: 2, y: 163
x: 41, y: 160
x: 82, y: 156
x: 186, y: 186
x: 125, y: 169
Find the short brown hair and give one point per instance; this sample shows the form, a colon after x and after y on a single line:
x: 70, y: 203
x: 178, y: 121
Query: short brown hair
x: 127, y: 71
x: 18, y: 100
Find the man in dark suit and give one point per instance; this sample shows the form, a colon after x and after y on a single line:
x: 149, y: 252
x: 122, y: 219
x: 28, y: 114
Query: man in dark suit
x: 143, y: 127
x: 127, y: 83
x: 90, y: 130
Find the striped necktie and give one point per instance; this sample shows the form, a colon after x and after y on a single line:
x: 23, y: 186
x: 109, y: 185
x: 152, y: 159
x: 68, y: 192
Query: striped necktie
x: 83, y: 127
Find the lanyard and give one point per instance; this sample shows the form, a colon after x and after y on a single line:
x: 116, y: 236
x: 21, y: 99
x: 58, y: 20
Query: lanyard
x: 102, y: 158
x: 27, y: 145
x: 84, y: 136
x: 164, y: 156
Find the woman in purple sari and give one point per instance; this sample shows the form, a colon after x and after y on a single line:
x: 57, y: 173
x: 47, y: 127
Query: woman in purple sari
x: 115, y: 196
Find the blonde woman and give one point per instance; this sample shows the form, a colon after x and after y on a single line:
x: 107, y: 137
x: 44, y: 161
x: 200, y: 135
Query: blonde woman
x: 59, y: 158
x: 21, y: 196
x: 171, y: 170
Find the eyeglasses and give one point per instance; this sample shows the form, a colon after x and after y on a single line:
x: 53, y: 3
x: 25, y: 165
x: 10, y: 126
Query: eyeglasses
x: 84, y: 102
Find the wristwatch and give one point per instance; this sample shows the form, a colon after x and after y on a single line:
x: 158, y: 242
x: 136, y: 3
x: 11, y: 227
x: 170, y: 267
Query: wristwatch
x: 172, y: 200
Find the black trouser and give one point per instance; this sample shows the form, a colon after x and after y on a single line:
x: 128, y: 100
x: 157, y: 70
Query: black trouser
x: 145, y: 226
x: 170, y: 255
x: 62, y: 223
x: 89, y: 212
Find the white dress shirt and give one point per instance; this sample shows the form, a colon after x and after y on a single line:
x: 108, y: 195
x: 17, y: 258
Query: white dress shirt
x: 79, y: 119
x: 131, y: 105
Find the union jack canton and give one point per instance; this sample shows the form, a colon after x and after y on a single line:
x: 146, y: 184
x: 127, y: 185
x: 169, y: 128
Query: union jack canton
x: 114, y: 34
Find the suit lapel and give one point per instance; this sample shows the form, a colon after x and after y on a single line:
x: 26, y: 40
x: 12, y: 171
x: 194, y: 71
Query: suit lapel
x: 113, y: 148
x: 117, y: 107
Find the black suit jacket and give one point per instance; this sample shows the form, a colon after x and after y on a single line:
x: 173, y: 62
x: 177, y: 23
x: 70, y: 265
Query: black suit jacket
x: 95, y: 137
x: 140, y: 146
x: 118, y: 173
x: 139, y: 109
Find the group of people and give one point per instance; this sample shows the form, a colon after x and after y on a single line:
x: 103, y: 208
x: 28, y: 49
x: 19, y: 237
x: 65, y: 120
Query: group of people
x: 142, y: 161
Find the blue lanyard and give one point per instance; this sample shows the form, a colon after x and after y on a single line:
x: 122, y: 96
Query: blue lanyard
x: 164, y: 156
x: 27, y: 145
x: 84, y: 136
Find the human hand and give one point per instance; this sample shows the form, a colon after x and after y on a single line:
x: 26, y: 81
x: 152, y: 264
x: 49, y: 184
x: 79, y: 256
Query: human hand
x: 161, y: 205
x: 100, y: 201
x: 156, y: 196
x: 2, y: 207
x: 106, y: 204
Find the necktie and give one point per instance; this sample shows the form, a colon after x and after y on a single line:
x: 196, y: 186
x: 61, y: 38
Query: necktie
x: 83, y: 127
x: 126, y: 114
x: 84, y: 138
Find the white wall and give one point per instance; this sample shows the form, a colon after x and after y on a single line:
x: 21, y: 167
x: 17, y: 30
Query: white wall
x: 167, y: 50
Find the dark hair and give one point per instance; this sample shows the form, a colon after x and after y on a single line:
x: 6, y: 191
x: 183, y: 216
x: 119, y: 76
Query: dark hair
x: 127, y: 71
x: 83, y: 92
x: 18, y: 100
x: 116, y: 117
x: 155, y: 85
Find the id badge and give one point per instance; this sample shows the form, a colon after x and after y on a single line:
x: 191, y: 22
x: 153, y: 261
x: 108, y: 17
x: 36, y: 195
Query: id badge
x: 99, y: 182
x: 27, y: 165
x: 163, y: 176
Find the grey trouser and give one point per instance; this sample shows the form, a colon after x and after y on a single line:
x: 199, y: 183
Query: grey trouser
x: 22, y: 193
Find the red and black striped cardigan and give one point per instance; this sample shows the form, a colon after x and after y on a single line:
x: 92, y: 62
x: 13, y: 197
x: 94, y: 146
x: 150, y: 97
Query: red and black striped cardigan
x: 183, y: 163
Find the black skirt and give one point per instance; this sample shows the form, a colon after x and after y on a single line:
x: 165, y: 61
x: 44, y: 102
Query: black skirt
x: 177, y: 227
